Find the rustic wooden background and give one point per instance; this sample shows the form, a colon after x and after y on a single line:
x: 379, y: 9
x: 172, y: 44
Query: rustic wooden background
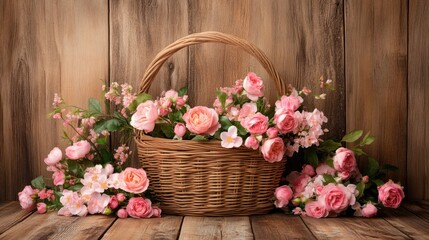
x: 376, y: 51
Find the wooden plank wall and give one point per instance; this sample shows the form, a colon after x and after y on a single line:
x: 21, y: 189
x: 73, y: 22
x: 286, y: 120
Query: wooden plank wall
x: 375, y: 51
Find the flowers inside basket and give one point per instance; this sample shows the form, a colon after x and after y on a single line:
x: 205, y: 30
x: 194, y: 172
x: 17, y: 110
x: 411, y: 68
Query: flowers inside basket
x: 225, y: 160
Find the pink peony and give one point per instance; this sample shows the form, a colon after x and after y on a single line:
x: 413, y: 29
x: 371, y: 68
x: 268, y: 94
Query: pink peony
x: 139, y: 207
x: 316, y: 209
x: 324, y: 168
x: 289, y: 103
x: 251, y: 142
x: 336, y: 198
x: 309, y: 170
x: 145, y: 117
x: 390, y: 194
x: 78, y: 150
x: 344, y: 160
x: 26, y: 198
x: 122, y: 213
x: 369, y: 210
x: 300, y: 184
x: 254, y: 86
x: 272, y: 132
x: 273, y: 149
x: 58, y: 178
x: 135, y: 180
x: 256, y: 124
x: 202, y: 120
x: 283, y: 195
x: 286, y: 121
x: 180, y: 130
x: 41, y: 208
x: 156, y: 211
x: 54, y: 157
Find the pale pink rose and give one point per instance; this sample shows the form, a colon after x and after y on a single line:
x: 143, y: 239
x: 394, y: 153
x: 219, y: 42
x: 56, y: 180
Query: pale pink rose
x: 272, y: 132
x: 285, y: 121
x: 256, y: 123
x: 251, y: 142
x: 135, y: 180
x: 316, y: 209
x: 254, y: 86
x: 369, y: 210
x: 58, y: 178
x: 365, y: 179
x: 41, y: 208
x: 108, y: 169
x: 171, y: 94
x: 78, y: 150
x: 336, y: 198
x: 324, y: 168
x: 283, y: 195
x: 122, y: 213
x: 54, y: 156
x: 273, y: 149
x: 114, y: 203
x: 300, y: 184
x: 139, y: 207
x: 121, y: 197
x: 202, y: 120
x: 145, y: 117
x: 289, y: 103
x: 246, y: 110
x: 156, y: 211
x: 180, y: 130
x: 25, y: 198
x: 390, y: 194
x: 309, y: 170
x: 344, y: 160
x: 292, y: 177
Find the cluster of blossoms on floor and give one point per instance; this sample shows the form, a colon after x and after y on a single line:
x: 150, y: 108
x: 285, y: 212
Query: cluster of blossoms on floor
x: 337, y: 186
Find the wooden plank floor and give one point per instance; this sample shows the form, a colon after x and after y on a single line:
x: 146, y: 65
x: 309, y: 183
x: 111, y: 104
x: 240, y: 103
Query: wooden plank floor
x: 408, y: 222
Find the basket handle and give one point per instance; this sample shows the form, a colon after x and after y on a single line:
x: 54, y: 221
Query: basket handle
x: 204, y: 37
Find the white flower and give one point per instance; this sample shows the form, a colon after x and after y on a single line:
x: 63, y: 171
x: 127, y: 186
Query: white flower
x: 230, y: 138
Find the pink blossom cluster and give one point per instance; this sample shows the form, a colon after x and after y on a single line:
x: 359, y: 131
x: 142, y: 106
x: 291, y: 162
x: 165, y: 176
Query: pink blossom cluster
x: 168, y: 100
x: 121, y: 154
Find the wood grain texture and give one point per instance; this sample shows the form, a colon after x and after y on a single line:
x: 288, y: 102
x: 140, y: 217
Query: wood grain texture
x: 11, y: 215
x: 418, y: 101
x: 289, y: 32
x: 52, y: 226
x: 47, y: 47
x: 353, y: 228
x: 418, y: 208
x: 376, y: 76
x: 279, y: 226
x: 216, y: 228
x: 407, y: 222
x: 138, y: 31
x: 167, y: 227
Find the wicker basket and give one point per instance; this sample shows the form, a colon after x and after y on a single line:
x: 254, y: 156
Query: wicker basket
x: 202, y: 178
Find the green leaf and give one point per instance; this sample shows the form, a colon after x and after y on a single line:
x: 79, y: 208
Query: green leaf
x: 102, y: 141
x: 361, y: 188
x: 142, y: 97
x: 175, y: 116
x: 329, y: 146
x: 167, y: 129
x: 73, y: 166
x: 75, y: 188
x: 225, y: 122
x: 372, y: 168
x: 358, y: 151
x: 106, y: 156
x: 94, y: 105
x: 241, y: 130
x: 110, y: 125
x: 367, y: 139
x: 311, y: 157
x: 222, y: 98
x: 199, y: 138
x: 388, y: 167
x: 183, y: 91
x: 378, y: 182
x: 352, y: 136
x: 328, y: 179
x: 330, y: 162
x: 38, y: 183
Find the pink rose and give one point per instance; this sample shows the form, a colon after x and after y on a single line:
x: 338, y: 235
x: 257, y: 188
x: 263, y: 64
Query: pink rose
x: 41, y: 208
x: 273, y: 149
x: 292, y: 177
x: 251, y: 142
x: 139, y: 207
x: 54, y: 157
x: 283, y: 195
x: 324, y: 168
x: 135, y: 180
x: 113, y: 203
x: 122, y: 213
x: 344, y: 160
x: 256, y: 124
x: 120, y: 197
x: 309, y: 170
x: 145, y: 116
x: 369, y: 210
x: 26, y: 199
x: 336, y: 198
x: 254, y: 86
x: 156, y: 211
x: 246, y: 110
x: 285, y: 121
x: 289, y: 103
x: 78, y: 150
x: 58, y: 178
x: 316, y: 209
x: 272, y: 132
x: 300, y: 184
x: 390, y: 194
x: 180, y: 130
x: 202, y: 120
